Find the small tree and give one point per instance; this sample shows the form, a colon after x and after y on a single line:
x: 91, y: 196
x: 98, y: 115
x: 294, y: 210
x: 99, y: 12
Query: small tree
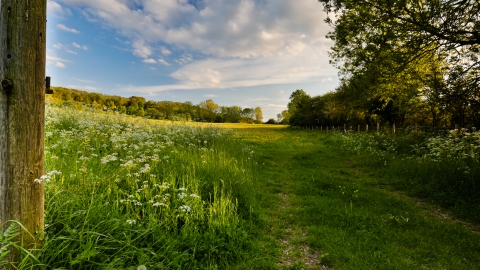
x: 285, y: 117
x: 211, y: 109
x: 258, y: 115
x: 248, y: 115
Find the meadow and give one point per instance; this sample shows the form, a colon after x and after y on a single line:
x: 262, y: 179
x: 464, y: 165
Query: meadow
x: 124, y: 192
x: 130, y: 193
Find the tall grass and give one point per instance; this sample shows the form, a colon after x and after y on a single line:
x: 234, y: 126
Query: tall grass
x: 441, y: 167
x: 129, y: 193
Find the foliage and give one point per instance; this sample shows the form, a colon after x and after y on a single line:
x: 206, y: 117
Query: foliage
x: 284, y: 117
x: 271, y: 121
x: 211, y: 109
x: 442, y: 168
x: 299, y: 108
x: 206, y: 111
x: 402, y: 62
x: 7, y: 240
x: 125, y: 191
x: 258, y: 115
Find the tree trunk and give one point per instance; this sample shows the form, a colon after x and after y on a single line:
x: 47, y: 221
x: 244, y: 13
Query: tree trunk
x: 22, y: 116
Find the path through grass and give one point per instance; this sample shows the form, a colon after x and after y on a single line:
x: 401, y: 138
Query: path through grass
x: 327, y: 210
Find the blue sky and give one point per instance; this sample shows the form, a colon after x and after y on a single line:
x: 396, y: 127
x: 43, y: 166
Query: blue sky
x: 248, y: 52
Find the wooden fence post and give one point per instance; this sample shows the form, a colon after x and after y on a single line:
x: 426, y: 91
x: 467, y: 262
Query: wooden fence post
x: 22, y: 116
x: 394, y: 128
x: 366, y: 128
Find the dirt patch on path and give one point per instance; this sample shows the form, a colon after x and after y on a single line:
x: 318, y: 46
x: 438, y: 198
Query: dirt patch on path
x: 295, y: 250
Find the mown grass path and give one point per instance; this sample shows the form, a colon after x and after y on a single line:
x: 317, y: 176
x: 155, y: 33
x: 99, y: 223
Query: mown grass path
x: 326, y: 209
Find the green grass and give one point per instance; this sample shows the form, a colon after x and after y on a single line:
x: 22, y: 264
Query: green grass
x: 255, y: 197
x: 135, y: 192
x: 439, y: 168
x: 351, y: 213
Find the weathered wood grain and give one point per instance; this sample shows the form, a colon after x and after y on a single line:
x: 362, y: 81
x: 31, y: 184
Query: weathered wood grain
x: 22, y: 110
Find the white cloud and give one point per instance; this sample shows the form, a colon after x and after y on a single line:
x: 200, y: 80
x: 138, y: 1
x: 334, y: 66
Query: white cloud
x: 246, y: 28
x: 64, y: 28
x: 257, y: 99
x: 54, y: 58
x: 324, y: 80
x: 57, y: 10
x: 78, y: 46
x: 150, y: 61
x: 281, y: 106
x: 141, y: 50
x: 83, y: 87
x: 57, y: 61
x: 184, y: 59
x: 232, y: 73
x: 84, y: 81
x: 58, y: 46
x: 163, y: 62
x: 235, y: 43
x: 165, y: 51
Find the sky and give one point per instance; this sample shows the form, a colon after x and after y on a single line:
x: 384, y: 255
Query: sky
x: 248, y: 53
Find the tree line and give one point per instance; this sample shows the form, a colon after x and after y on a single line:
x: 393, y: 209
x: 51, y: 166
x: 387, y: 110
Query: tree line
x: 401, y: 62
x: 205, y: 111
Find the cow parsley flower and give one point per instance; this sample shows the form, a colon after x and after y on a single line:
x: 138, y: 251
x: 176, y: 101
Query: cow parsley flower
x: 185, y: 208
x: 131, y: 221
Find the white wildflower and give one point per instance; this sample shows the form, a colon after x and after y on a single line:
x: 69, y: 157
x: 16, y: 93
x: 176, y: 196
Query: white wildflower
x: 131, y: 221
x: 185, y: 208
x: 157, y: 204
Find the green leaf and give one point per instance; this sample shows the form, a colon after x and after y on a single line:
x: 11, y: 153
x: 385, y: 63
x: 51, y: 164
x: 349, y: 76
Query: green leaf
x: 10, y: 233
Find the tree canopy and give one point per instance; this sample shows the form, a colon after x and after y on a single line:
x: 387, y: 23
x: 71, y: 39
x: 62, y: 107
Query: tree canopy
x: 398, y: 60
x: 205, y: 111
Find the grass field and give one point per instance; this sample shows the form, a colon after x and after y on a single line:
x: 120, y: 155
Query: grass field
x: 130, y: 193
x: 337, y: 210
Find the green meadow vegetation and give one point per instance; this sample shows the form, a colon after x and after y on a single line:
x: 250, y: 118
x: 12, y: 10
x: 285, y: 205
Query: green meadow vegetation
x: 127, y: 188
x: 135, y: 184
x: 126, y: 192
